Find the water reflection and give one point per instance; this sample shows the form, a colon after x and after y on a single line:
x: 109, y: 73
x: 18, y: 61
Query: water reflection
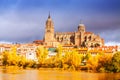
x: 56, y: 75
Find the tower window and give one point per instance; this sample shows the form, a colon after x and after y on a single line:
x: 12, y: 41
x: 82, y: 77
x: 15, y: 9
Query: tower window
x: 78, y: 36
x: 85, y: 38
x: 89, y: 38
x: 48, y: 30
x: 58, y: 39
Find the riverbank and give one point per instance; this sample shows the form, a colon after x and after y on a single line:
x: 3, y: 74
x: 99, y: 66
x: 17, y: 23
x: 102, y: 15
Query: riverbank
x: 54, y: 74
x: 71, y: 61
x: 14, y: 69
x: 103, y: 64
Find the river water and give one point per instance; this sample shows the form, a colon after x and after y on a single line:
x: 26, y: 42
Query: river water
x: 55, y: 75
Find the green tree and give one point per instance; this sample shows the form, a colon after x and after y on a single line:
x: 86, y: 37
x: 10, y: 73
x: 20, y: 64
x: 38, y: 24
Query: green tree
x: 87, y: 56
x: 72, y: 59
x: 116, y: 62
x: 104, y: 63
x: 5, y: 58
x: 22, y: 61
x: 59, y: 51
x: 42, y: 54
x: 59, y: 57
x: 13, y: 57
x: 10, y: 57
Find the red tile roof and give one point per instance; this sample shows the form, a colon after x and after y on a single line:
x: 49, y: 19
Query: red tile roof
x: 62, y: 33
x: 88, y: 32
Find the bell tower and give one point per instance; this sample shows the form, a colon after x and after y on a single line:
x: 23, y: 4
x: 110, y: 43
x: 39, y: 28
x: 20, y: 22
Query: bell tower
x: 81, y: 28
x: 79, y: 35
x: 49, y: 30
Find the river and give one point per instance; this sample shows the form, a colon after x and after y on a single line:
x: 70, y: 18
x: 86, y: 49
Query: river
x: 55, y: 75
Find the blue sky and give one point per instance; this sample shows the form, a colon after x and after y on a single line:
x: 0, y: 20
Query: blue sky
x: 24, y: 20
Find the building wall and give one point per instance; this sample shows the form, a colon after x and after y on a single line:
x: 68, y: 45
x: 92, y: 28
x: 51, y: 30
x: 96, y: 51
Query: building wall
x: 27, y: 50
x: 65, y: 37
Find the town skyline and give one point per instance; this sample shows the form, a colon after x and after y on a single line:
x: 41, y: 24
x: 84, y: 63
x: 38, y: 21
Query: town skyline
x: 24, y: 21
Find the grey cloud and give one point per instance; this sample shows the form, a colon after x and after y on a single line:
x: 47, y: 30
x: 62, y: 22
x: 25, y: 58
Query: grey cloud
x: 25, y: 26
x: 15, y: 27
x: 112, y: 35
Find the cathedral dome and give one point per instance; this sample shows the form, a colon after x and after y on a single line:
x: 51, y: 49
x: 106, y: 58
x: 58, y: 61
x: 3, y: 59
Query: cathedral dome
x: 81, y: 26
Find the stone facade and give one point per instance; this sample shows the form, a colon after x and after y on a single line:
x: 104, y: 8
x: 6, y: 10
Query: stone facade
x: 79, y: 38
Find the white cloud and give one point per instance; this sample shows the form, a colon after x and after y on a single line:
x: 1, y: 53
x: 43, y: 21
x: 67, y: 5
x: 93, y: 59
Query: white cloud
x: 112, y: 43
x: 5, y: 42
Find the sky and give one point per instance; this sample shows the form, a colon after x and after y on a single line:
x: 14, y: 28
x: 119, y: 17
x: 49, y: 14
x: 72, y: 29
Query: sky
x: 24, y: 20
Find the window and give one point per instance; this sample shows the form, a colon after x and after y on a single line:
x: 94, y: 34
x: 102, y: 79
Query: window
x: 58, y: 39
x: 85, y: 38
x: 89, y: 38
x: 48, y: 30
x: 30, y: 54
x: 78, y: 36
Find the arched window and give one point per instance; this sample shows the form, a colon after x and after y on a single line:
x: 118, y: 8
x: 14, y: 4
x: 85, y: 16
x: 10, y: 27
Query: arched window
x: 57, y: 38
x: 30, y: 53
x: 48, y: 30
x: 89, y: 38
x: 85, y: 38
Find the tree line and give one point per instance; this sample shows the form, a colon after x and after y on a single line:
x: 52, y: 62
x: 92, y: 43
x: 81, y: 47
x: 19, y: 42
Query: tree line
x: 68, y: 60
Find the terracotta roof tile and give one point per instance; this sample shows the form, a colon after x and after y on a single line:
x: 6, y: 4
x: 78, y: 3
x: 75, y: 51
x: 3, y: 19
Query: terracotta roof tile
x: 88, y: 32
x: 64, y: 33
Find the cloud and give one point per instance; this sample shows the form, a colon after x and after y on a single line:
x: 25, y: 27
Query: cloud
x: 5, y: 42
x: 19, y: 27
x: 25, y: 26
x: 24, y: 21
x: 112, y: 43
x: 111, y: 36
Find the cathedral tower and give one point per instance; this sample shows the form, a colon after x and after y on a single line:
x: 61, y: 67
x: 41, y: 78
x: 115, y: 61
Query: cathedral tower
x: 81, y: 28
x: 79, y: 35
x: 49, y: 30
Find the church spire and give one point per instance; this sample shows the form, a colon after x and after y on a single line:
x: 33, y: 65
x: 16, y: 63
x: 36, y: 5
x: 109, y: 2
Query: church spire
x: 49, y: 15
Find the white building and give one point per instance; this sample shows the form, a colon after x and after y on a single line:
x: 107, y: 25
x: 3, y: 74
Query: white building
x: 27, y: 50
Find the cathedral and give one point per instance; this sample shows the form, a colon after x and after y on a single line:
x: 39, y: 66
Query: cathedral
x: 79, y: 38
